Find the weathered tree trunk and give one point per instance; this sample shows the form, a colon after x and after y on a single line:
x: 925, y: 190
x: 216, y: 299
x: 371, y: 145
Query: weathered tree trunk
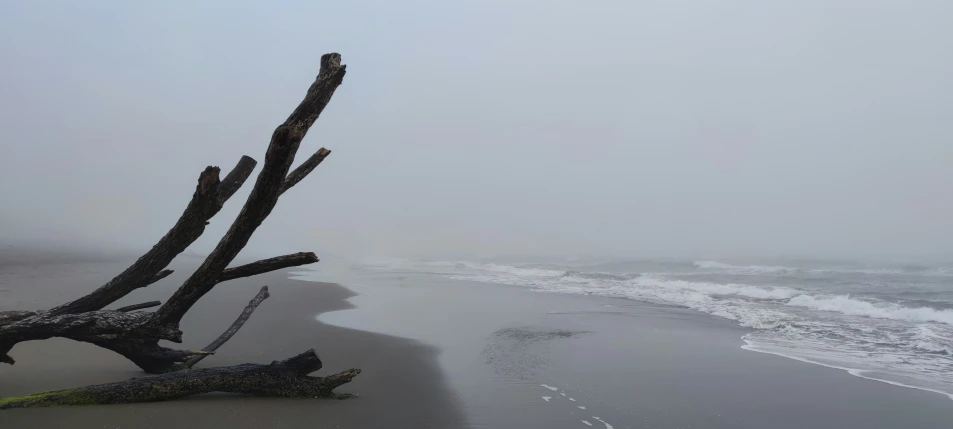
x: 92, y: 324
x: 288, y: 379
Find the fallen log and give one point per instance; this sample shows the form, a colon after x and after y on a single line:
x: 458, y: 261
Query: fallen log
x: 286, y: 379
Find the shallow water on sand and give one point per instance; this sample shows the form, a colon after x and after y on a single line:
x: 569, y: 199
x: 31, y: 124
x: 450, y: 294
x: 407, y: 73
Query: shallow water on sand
x: 891, y: 322
x: 518, y: 358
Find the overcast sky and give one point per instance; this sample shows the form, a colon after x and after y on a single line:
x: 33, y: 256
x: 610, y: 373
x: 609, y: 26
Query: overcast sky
x: 650, y: 128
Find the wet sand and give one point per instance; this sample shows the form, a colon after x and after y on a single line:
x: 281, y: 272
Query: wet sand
x: 520, y: 358
x: 453, y: 354
x: 401, y: 384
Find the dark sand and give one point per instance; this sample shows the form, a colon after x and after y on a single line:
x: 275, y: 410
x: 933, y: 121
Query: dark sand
x: 630, y: 364
x: 401, y: 385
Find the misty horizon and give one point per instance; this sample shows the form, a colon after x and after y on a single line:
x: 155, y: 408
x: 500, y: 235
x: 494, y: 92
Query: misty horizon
x: 791, y: 129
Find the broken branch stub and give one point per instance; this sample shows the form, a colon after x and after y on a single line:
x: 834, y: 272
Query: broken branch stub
x: 298, y: 174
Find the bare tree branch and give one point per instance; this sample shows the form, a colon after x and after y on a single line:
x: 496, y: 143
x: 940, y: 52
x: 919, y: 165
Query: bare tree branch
x: 207, y: 200
x: 280, y: 154
x: 134, y: 307
x: 304, y: 169
x: 232, y: 330
x: 268, y: 265
x: 235, y: 179
x: 254, y: 268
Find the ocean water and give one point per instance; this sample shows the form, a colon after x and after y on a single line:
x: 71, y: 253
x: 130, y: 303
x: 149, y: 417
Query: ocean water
x: 887, y: 322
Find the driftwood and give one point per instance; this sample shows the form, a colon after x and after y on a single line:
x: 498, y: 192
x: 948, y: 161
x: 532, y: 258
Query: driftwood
x: 135, y: 334
x: 288, y: 379
x: 231, y: 331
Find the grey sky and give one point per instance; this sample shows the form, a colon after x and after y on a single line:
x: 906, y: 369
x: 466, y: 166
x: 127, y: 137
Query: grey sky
x: 693, y: 128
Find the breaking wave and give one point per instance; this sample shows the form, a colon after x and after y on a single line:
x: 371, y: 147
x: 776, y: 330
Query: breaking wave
x: 754, y: 269
x: 882, y: 335
x: 766, y: 269
x: 844, y: 304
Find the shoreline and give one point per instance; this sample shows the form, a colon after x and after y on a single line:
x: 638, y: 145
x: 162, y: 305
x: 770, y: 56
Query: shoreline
x: 850, y: 371
x: 628, y: 362
x: 452, y: 353
x: 394, y: 369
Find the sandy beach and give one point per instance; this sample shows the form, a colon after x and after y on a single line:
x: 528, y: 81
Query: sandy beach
x: 528, y: 214
x: 522, y: 358
x: 405, y: 388
x: 456, y: 354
